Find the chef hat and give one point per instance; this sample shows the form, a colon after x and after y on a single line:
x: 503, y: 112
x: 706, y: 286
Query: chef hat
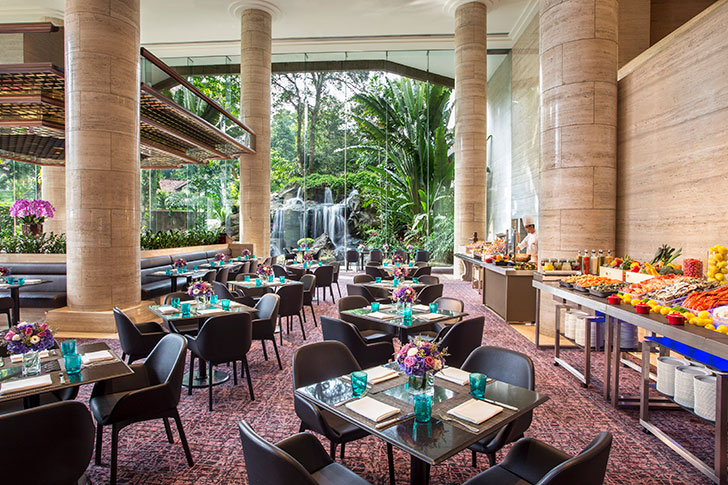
x: 528, y: 220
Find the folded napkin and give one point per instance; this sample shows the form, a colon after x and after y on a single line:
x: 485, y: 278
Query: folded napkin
x: 25, y: 384
x: 15, y: 358
x: 428, y: 316
x: 421, y: 308
x: 4, y: 285
x: 378, y: 374
x: 234, y: 304
x: 28, y: 280
x: 475, y: 411
x: 167, y: 310
x: 385, y: 306
x: 96, y: 356
x: 382, y: 316
x: 208, y: 311
x: 372, y: 409
x: 453, y: 374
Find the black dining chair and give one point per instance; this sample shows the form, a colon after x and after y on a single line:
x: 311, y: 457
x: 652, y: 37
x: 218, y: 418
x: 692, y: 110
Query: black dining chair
x: 363, y: 278
x: 531, y: 461
x: 291, y: 305
x: 513, y: 368
x: 335, y: 280
x: 421, y: 271
x: 437, y: 330
x: 367, y: 354
x: 324, y: 279
x: 299, y: 459
x: 375, y: 256
x: 429, y: 293
x: 318, y: 362
x: 309, y: 286
x: 366, y: 293
x: 222, y: 275
x: 279, y: 270
x: 462, y: 339
x: 264, y: 325
x: 53, y: 443
x: 210, y: 276
x: 429, y: 280
x: 287, y: 255
x: 223, y: 293
x: 222, y: 339
x: 6, y: 306
x: 422, y: 256
x: 401, y: 254
x: 376, y: 272
x: 187, y: 326
x: 151, y: 392
x: 369, y: 330
x: 137, y: 339
x: 253, y: 266
x: 352, y: 256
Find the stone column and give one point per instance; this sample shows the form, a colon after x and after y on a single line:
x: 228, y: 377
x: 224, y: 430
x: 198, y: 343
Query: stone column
x: 255, y: 72
x: 102, y: 153
x: 470, y: 123
x: 578, y: 126
x: 53, y: 189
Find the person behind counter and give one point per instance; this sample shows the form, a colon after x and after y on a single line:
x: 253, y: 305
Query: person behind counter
x: 530, y: 242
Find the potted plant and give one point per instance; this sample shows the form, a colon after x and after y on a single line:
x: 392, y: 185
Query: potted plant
x: 32, y: 213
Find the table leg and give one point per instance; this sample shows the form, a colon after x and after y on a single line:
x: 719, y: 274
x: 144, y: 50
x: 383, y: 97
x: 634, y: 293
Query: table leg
x: 721, y: 428
x: 587, y: 352
x: 174, y: 284
x: 538, y: 316
x: 557, y: 330
x: 616, y: 356
x: 609, y: 321
x: 645, y: 383
x: 15, y: 295
x: 419, y: 472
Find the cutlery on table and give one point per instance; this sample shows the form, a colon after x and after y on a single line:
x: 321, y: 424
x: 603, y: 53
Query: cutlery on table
x: 392, y: 422
x: 352, y: 398
x: 472, y: 429
x: 497, y: 403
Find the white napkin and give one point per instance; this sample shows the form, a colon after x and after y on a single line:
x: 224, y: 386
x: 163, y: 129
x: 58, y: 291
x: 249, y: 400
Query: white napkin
x: 23, y: 384
x: 372, y: 409
x: 167, y: 310
x: 15, y: 358
x: 3, y: 285
x: 382, y: 316
x: 234, y: 304
x: 378, y: 374
x: 208, y: 311
x: 27, y: 280
x: 385, y: 306
x: 429, y: 316
x: 96, y: 356
x: 421, y: 308
x: 453, y: 374
x: 475, y: 411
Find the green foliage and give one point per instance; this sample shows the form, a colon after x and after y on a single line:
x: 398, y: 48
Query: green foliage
x: 176, y: 239
x: 441, y: 240
x: 45, y: 243
x: 309, y: 241
x: 283, y: 172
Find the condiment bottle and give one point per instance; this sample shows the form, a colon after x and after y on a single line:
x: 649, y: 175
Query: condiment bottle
x: 585, y: 266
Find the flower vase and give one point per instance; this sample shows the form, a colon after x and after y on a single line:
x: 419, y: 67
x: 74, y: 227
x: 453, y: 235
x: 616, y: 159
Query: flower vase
x: 424, y: 384
x: 34, y: 229
x: 31, y: 363
x: 405, y: 308
x: 201, y: 302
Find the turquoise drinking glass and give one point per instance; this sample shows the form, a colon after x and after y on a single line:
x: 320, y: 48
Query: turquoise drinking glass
x: 195, y: 268
x: 247, y: 278
x: 407, y: 312
x: 21, y: 281
x: 410, y: 264
x: 282, y: 279
x: 375, y: 306
x: 68, y: 347
x: 320, y: 263
x: 175, y: 302
x: 378, y: 279
x: 252, y: 256
x: 212, y: 264
x: 73, y: 363
x: 225, y: 304
x: 11, y: 280
x: 386, y: 264
x: 423, y: 408
x: 433, y: 307
x: 270, y: 279
x: 258, y: 282
x: 168, y: 272
x: 477, y: 385
x: 186, y: 309
x: 358, y: 383
x: 239, y: 258
x: 214, y: 299
x: 415, y: 281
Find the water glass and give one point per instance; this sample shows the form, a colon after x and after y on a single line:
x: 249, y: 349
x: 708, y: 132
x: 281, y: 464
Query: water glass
x: 225, y: 304
x: 282, y: 279
x: 320, y: 263
x: 247, y: 278
x: 195, y: 268
x: 358, y: 383
x: 410, y: 264
x: 433, y: 307
x: 31, y: 363
x: 212, y: 264
x: 423, y: 408
x: 68, y: 347
x: 252, y: 256
x: 213, y: 299
x: 11, y: 280
x: 239, y: 258
x: 477, y: 384
x: 375, y: 306
x: 395, y: 282
x: 186, y: 309
x: 407, y: 312
x: 21, y: 281
x: 270, y: 279
x: 73, y: 363
x: 168, y: 272
x: 378, y: 279
x: 175, y: 302
x: 415, y: 281
x: 258, y: 282
x: 386, y: 264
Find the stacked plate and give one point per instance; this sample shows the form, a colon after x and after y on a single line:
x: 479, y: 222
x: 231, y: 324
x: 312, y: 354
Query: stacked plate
x: 684, y: 385
x: 666, y: 373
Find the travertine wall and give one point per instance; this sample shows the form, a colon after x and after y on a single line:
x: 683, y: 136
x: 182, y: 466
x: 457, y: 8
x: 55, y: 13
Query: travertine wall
x: 499, y: 150
x: 668, y: 15
x: 255, y: 71
x: 634, y: 29
x: 673, y: 142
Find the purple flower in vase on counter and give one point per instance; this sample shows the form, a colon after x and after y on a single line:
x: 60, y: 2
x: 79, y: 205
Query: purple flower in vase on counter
x: 219, y: 257
x: 179, y: 263
x: 400, y: 272
x: 265, y: 270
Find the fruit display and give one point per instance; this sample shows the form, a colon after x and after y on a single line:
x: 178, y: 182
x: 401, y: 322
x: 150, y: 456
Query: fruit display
x: 718, y: 263
x: 656, y: 283
x: 609, y: 287
x: 682, y: 288
x: 707, y: 300
x: 525, y: 266
x: 693, y: 268
x: 588, y: 281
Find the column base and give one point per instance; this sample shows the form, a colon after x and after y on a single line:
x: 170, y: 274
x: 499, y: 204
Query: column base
x: 66, y: 320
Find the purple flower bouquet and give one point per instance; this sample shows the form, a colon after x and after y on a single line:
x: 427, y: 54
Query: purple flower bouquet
x: 245, y: 253
x: 307, y: 256
x: 32, y: 211
x: 219, y: 257
x: 404, y: 294
x: 4, y: 271
x: 28, y: 336
x: 179, y: 263
x: 400, y: 272
x: 200, y: 289
x: 420, y: 357
x: 397, y: 258
x: 265, y: 270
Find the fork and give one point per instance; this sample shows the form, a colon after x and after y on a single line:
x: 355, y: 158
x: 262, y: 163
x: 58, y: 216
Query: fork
x: 472, y: 429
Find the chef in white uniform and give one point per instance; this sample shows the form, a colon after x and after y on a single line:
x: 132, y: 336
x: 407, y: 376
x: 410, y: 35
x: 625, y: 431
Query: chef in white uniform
x: 530, y: 242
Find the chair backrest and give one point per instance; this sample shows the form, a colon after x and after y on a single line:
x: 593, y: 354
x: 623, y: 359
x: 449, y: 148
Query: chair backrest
x: 429, y: 280
x: 291, y: 300
x: 222, y: 275
x: 363, y: 278
x: 449, y: 303
x: 501, y: 364
x: 430, y: 293
x: 267, y: 464
x: 400, y: 253
x: 244, y: 268
x: 210, y: 276
x: 361, y: 291
x: 352, y: 301
x: 60, y: 435
x: 225, y: 338
x: 324, y: 276
x: 589, y: 466
x: 182, y: 295
x: 375, y: 255
x: 422, y: 256
x: 422, y: 271
x: 222, y: 291
x: 253, y: 266
x: 462, y: 339
x: 321, y: 361
x: 129, y: 334
x: 166, y: 364
x: 344, y: 332
x: 337, y: 266
x: 267, y: 308
x: 374, y: 271
x: 279, y: 270
x: 352, y: 256
x: 309, y: 281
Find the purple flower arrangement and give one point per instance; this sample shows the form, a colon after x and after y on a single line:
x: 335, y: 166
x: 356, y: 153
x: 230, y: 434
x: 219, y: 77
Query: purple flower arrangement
x: 303, y: 246
x: 385, y: 247
x: 361, y: 247
x: 419, y: 357
x: 219, y: 257
x: 245, y: 253
x: 265, y: 270
x: 4, y: 271
x: 307, y: 257
x: 397, y: 258
x: 200, y: 288
x: 410, y: 247
x: 404, y: 294
x: 400, y: 272
x: 32, y: 211
x: 179, y: 263
x: 28, y: 336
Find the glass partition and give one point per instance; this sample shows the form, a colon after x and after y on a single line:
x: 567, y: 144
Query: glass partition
x: 18, y: 180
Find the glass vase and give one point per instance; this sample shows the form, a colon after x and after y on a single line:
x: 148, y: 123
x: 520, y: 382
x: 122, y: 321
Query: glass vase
x: 405, y: 308
x: 31, y: 363
x: 424, y: 384
x: 200, y: 302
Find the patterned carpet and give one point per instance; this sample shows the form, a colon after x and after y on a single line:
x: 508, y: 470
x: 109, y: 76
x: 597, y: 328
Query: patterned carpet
x: 568, y: 421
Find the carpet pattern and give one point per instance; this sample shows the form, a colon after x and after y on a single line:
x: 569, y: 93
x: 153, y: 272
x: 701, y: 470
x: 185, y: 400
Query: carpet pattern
x: 569, y: 420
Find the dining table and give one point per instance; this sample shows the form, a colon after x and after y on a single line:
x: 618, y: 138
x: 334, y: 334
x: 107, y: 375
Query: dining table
x: 174, y: 274
x: 53, y: 376
x: 264, y: 283
x: 15, y: 294
x: 433, y: 442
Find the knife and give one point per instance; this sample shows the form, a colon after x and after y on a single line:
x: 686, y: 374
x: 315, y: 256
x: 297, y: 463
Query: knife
x: 503, y: 405
x: 392, y: 422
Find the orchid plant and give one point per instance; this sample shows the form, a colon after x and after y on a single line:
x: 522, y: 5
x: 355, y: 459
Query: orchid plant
x: 32, y: 211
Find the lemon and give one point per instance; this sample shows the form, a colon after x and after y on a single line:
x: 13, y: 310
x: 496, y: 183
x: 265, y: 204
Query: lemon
x: 718, y: 257
x: 723, y: 329
x: 664, y: 310
x: 635, y: 302
x: 656, y: 308
x: 719, y: 276
x: 710, y: 327
x: 693, y: 321
x: 704, y: 314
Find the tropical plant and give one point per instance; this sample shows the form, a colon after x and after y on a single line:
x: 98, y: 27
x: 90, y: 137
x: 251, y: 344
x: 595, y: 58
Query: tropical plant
x: 176, y: 239
x: 48, y: 243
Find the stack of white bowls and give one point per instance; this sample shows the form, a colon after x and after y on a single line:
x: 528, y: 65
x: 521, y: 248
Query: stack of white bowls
x: 666, y: 373
x: 597, y: 332
x: 570, y: 322
x: 704, y: 389
x: 685, y: 386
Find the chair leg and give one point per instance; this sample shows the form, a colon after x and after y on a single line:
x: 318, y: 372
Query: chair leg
x: 301, y: 322
x: 491, y: 458
x: 474, y: 463
x: 191, y: 374
x: 265, y: 352
x: 235, y: 373
x: 280, y: 328
x: 168, y: 430
x: 338, y: 288
x: 99, y: 436
x: 250, y: 380
x: 323, y: 291
x: 123, y: 355
x: 210, y: 378
x: 182, y: 437
x: 315, y: 323
x: 303, y: 309
x: 275, y: 347
x: 341, y: 454
x: 390, y: 461
x: 114, y: 451
x: 302, y: 428
x: 332, y: 451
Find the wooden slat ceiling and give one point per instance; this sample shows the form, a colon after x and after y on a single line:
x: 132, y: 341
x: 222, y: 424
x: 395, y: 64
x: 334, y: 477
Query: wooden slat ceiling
x: 32, y: 123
